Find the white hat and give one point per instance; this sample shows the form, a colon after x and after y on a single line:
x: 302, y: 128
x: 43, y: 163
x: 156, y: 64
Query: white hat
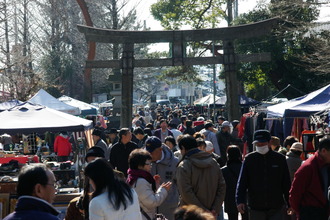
x: 297, y: 146
x: 226, y: 124
x: 200, y: 119
x: 209, y: 146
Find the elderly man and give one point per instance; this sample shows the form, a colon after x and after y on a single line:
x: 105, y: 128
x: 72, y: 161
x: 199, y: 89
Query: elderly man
x: 36, y: 192
x: 265, y: 179
x: 225, y: 139
x: 121, y: 150
x: 164, y: 164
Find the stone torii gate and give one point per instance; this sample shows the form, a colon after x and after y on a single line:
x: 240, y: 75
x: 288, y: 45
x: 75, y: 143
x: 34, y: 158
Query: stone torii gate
x: 178, y: 38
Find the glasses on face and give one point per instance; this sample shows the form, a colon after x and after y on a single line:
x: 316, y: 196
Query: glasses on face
x: 55, y: 185
x: 147, y: 164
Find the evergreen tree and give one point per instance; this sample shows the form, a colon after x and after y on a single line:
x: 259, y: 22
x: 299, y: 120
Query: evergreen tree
x: 293, y: 46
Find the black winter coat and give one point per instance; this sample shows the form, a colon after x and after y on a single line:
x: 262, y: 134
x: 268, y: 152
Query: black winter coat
x: 266, y: 178
x: 231, y: 174
x: 119, y: 155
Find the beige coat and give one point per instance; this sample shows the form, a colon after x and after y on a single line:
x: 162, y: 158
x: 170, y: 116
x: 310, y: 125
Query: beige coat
x: 148, y: 199
x: 200, y: 181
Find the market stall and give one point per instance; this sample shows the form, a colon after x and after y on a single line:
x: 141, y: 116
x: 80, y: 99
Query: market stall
x: 85, y: 108
x: 27, y: 119
x: 44, y: 98
x: 296, y: 112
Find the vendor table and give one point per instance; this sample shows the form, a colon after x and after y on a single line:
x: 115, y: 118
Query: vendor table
x: 20, y: 159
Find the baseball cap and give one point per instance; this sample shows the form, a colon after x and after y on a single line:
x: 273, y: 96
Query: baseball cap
x: 297, y: 146
x: 152, y: 143
x: 261, y: 136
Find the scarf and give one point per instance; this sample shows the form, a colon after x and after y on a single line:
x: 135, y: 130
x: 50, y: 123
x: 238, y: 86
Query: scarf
x: 133, y: 175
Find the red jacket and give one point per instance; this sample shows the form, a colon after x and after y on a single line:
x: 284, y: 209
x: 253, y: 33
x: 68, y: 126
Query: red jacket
x: 62, y: 146
x: 307, y: 187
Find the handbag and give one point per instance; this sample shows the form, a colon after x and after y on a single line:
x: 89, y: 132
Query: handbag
x: 157, y: 216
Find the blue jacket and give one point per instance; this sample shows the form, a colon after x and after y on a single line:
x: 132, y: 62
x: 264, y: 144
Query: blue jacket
x: 33, y: 208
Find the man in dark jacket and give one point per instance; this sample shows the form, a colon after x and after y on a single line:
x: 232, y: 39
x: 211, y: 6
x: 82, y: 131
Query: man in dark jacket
x: 121, y: 150
x: 224, y: 140
x: 309, y: 190
x: 98, y: 141
x: 265, y: 179
x: 36, y: 192
x: 113, y: 136
x: 139, y: 137
x: 175, y: 120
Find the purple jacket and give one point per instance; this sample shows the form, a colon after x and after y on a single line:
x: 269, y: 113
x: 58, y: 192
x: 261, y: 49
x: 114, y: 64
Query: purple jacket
x: 158, y: 133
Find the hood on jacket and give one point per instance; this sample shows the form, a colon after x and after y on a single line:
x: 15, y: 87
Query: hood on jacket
x: 201, y: 159
x: 168, y: 156
x: 291, y: 154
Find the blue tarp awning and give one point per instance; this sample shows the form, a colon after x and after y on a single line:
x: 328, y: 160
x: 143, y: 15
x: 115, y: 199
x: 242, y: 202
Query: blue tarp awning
x: 302, y: 106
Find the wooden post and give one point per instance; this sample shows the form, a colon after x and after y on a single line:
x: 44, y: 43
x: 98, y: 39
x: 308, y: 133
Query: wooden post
x: 127, y: 85
x: 231, y: 80
x: 91, y: 54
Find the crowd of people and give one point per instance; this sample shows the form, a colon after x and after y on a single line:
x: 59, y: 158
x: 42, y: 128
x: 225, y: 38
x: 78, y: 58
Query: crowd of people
x: 178, y: 165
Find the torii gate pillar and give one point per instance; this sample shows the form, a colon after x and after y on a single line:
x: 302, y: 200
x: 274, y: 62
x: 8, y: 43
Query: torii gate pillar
x: 127, y: 85
x: 229, y: 59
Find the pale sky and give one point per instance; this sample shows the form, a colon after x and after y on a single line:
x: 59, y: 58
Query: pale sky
x: 143, y: 11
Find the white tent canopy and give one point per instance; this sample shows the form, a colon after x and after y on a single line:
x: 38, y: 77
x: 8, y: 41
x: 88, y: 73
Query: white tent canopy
x: 206, y: 100
x: 84, y: 107
x: 45, y: 99
x: 28, y: 118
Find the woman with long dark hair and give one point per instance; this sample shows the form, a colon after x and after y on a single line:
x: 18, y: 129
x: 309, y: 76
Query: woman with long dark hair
x: 112, y: 198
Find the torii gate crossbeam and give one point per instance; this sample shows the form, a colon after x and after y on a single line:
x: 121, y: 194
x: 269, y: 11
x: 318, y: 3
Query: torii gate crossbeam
x: 177, y: 38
